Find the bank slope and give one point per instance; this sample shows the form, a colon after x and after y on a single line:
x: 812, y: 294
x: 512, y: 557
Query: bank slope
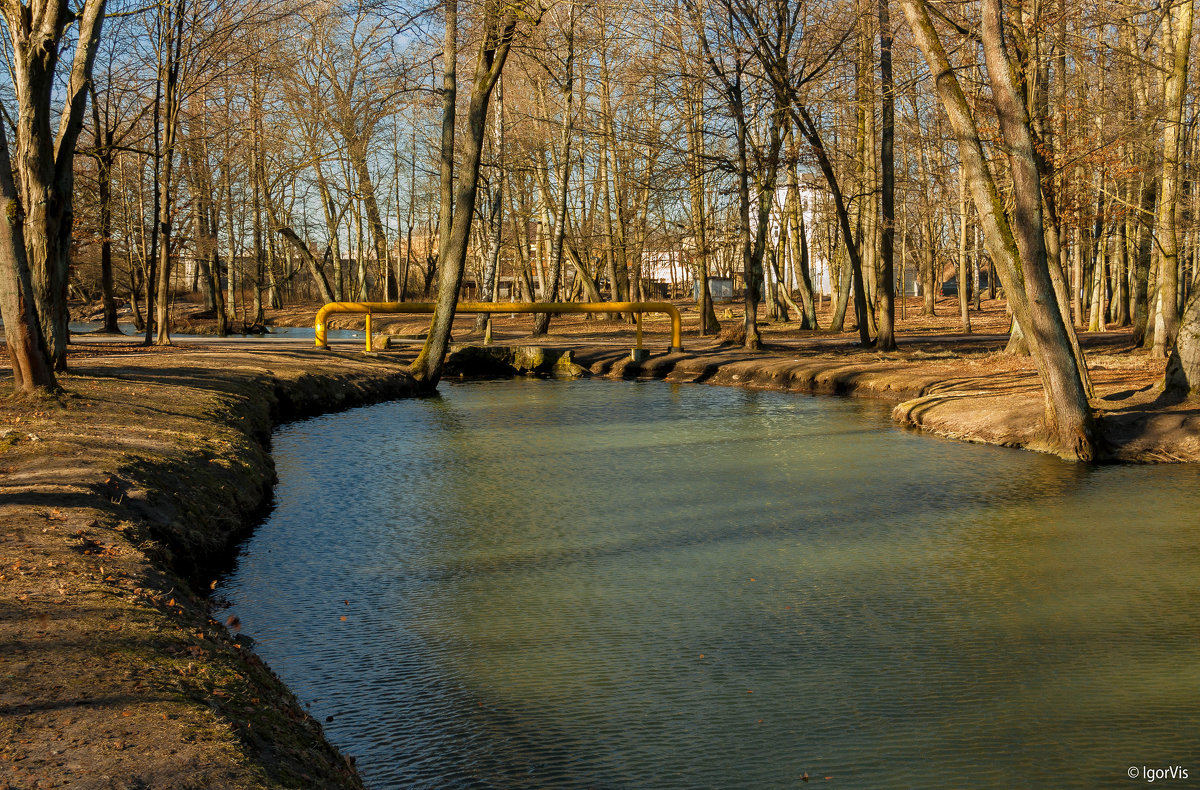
x: 117, y: 502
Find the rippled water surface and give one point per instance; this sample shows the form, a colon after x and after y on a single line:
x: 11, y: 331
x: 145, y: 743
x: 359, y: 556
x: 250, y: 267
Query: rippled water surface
x: 617, y: 585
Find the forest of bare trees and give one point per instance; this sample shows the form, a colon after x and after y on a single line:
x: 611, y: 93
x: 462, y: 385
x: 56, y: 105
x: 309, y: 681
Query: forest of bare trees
x: 240, y: 155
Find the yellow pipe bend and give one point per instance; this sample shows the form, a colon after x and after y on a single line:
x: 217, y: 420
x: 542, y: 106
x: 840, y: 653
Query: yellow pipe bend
x: 420, y: 308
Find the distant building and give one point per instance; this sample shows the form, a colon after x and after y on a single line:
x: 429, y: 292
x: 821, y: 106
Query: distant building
x: 720, y: 288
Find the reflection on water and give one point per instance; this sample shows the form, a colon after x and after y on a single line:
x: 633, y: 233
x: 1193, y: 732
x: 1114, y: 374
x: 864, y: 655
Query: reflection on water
x: 602, y: 584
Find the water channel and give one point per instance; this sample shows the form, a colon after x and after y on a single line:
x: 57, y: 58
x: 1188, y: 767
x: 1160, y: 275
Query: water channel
x: 617, y: 585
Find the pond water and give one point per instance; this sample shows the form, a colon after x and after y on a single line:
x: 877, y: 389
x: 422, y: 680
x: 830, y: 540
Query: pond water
x: 618, y: 585
x: 305, y: 332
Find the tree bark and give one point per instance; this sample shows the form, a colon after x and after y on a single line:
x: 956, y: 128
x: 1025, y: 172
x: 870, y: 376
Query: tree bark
x: 1182, y: 378
x: 1018, y: 248
x: 446, y: 155
x: 104, y: 164
x: 695, y: 138
x: 483, y: 321
x: 206, y: 218
x: 886, y: 338
x: 963, y: 298
x: 794, y: 216
x: 31, y: 368
x: 812, y: 134
x: 1143, y: 257
x: 171, y: 105
x: 1177, y: 40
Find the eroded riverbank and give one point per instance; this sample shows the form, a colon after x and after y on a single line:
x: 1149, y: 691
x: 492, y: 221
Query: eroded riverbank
x: 117, y: 502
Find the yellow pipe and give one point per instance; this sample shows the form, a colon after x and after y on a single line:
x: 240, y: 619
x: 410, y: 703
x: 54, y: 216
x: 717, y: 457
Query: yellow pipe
x: 425, y: 308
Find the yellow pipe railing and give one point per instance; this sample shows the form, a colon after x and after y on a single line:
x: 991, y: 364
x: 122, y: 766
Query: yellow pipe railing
x: 425, y: 308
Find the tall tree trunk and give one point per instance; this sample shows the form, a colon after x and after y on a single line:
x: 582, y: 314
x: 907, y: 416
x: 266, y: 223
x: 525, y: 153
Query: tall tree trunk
x: 839, y: 266
x: 483, y: 321
x: 750, y: 277
x: 930, y: 277
x: 695, y: 138
x: 31, y: 368
x: 44, y: 161
x: 541, y: 321
x: 1143, y: 256
x: 493, y: 51
x: 206, y: 218
x: 963, y: 298
x: 446, y: 155
x: 1018, y: 248
x: 614, y: 193
x: 866, y: 165
x: 809, y: 129
x: 173, y: 44
x: 1183, y: 368
x: 152, y: 256
x: 766, y: 182
x: 104, y: 165
x: 366, y: 187
x: 1177, y: 41
x: 794, y: 214
x: 887, y: 312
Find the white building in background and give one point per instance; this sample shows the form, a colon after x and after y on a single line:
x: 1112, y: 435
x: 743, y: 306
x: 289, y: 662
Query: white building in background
x: 812, y: 190
x: 672, y: 269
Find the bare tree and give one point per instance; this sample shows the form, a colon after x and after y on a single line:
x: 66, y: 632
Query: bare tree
x: 45, y: 161
x: 499, y: 24
x: 1016, y: 245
